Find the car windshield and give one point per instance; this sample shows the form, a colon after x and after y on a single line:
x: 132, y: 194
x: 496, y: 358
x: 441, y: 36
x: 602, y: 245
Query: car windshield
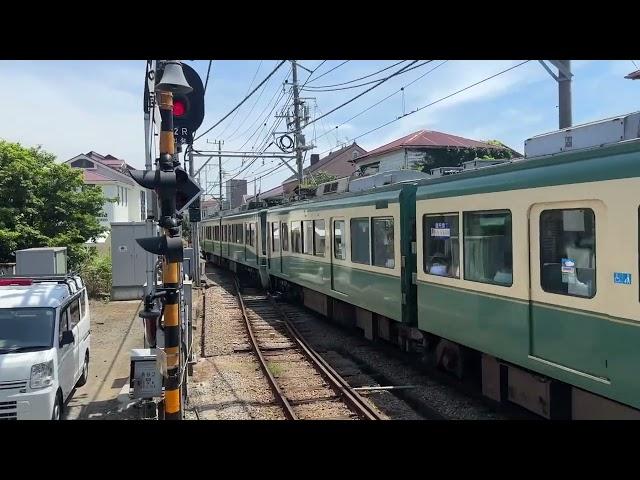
x: 24, y: 329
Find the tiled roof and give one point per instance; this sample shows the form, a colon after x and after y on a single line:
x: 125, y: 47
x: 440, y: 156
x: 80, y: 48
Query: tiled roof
x: 425, y: 139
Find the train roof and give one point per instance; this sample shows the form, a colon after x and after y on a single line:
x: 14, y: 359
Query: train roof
x: 388, y: 193
x: 589, y: 165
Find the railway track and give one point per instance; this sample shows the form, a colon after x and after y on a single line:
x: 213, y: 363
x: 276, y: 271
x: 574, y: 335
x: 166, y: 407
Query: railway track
x: 303, y: 383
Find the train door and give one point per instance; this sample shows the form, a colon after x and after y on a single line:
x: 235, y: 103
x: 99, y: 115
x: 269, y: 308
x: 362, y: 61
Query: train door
x: 563, y: 264
x: 276, y: 247
x: 338, y: 250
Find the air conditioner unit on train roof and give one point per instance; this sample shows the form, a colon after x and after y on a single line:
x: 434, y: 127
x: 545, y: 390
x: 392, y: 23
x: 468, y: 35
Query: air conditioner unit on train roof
x: 589, y: 135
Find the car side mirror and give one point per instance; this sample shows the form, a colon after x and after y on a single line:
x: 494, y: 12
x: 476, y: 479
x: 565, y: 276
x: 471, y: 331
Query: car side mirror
x: 67, y: 338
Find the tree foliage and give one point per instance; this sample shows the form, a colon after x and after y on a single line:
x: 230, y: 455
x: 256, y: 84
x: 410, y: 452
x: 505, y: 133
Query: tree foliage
x: 316, y: 178
x: 454, y: 157
x: 44, y: 203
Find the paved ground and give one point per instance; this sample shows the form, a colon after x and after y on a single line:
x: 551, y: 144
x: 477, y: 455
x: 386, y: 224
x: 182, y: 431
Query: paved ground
x: 115, y: 330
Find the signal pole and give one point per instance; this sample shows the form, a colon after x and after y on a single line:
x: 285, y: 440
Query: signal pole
x: 170, y: 270
x: 175, y: 190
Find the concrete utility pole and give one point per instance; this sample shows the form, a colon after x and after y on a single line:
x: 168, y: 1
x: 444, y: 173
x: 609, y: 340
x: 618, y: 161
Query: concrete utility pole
x: 195, y: 231
x: 296, y: 114
x: 564, y: 89
x: 220, y: 143
x: 564, y: 94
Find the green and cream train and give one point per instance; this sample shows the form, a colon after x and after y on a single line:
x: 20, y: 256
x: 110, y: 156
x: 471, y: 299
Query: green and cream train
x: 526, y: 272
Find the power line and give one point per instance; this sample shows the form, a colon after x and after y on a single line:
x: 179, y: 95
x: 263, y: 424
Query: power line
x: 238, y: 111
x: 357, y: 79
x: 243, y: 100
x: 331, y: 70
x: 366, y: 83
x: 380, y: 82
x: 388, y: 96
x: 439, y: 100
x: 261, y: 114
x: 207, y: 81
x: 311, y: 74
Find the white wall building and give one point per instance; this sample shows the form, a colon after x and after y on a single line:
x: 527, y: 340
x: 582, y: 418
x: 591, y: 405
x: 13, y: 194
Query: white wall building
x: 110, y: 173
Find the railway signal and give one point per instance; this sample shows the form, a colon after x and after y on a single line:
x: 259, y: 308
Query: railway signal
x: 188, y: 106
x: 175, y: 190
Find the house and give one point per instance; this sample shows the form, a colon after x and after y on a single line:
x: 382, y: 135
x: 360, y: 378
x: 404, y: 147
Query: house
x: 209, y: 207
x: 338, y: 163
x: 417, y: 146
x: 111, y: 174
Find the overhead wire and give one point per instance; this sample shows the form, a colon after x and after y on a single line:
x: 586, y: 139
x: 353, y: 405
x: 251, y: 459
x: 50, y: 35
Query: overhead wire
x: 241, y: 102
x: 439, y: 100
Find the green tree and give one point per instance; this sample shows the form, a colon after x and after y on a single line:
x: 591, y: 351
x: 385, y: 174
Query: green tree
x: 454, y: 157
x: 316, y: 178
x: 44, y: 203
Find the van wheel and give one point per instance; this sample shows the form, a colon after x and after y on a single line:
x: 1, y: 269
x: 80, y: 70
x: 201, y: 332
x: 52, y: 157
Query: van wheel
x: 57, y: 408
x: 85, y: 372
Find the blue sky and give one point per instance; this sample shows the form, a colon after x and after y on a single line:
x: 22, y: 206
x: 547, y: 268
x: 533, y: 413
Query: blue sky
x: 70, y: 107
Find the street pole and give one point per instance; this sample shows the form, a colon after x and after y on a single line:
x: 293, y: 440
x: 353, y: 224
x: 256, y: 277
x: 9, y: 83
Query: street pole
x: 296, y: 114
x: 564, y: 95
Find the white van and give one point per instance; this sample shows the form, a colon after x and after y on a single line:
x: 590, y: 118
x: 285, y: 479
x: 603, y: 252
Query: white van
x: 44, y: 344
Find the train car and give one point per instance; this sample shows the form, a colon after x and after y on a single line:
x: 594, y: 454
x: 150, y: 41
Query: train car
x: 531, y: 264
x: 237, y: 241
x: 346, y: 251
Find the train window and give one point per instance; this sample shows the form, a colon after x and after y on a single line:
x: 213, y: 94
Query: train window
x: 247, y: 233
x: 296, y: 237
x: 318, y: 238
x: 252, y: 233
x: 217, y: 232
x: 360, y: 240
x: 568, y: 252
x: 224, y: 233
x: 239, y: 233
x: 487, y: 247
x: 307, y: 237
x: 275, y: 237
x: 442, y: 245
x: 338, y: 240
x: 383, y: 249
x: 285, y: 237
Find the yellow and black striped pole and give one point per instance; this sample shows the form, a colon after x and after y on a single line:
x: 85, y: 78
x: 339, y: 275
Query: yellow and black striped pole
x: 175, y: 190
x: 170, y: 273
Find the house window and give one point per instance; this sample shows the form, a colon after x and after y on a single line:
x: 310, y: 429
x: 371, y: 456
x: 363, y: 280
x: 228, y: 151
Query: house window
x: 83, y: 163
x: 355, y: 154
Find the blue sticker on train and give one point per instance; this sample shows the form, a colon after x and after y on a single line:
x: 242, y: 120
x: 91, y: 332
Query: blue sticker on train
x: 621, y: 277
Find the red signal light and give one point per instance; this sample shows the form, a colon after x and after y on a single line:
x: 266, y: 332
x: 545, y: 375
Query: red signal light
x: 179, y: 108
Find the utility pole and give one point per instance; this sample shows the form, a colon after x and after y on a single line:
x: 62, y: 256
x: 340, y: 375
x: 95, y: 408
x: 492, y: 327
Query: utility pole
x: 564, y: 94
x: 563, y: 78
x: 296, y: 119
x: 195, y: 231
x: 220, y: 143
